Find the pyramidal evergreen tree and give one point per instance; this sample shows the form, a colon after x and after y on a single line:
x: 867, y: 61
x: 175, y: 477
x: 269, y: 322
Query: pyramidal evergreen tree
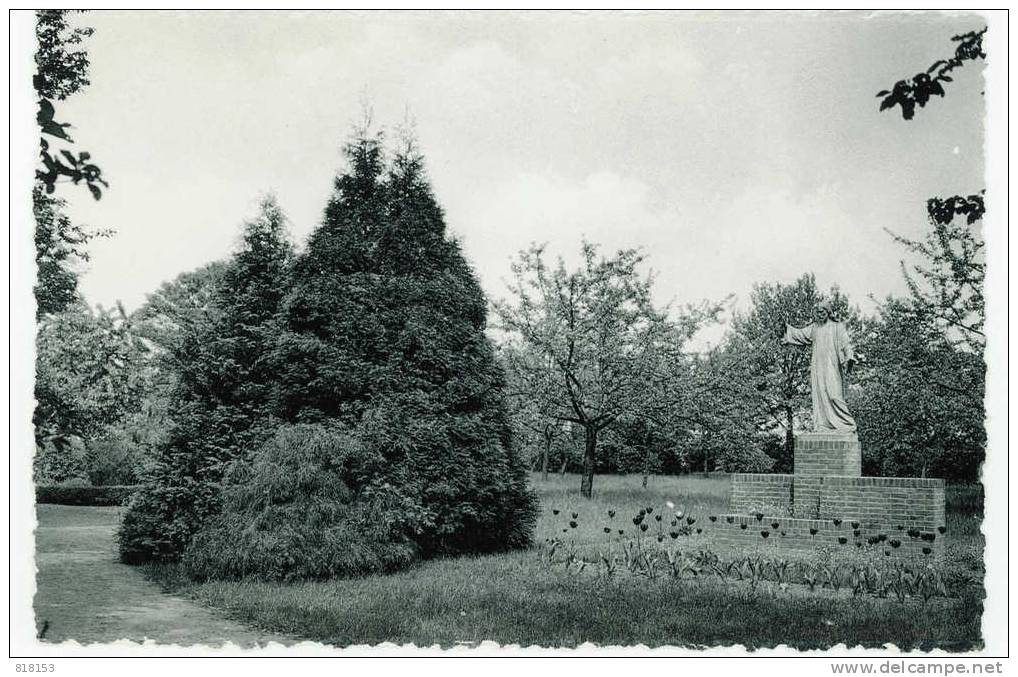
x: 221, y: 408
x: 397, y: 443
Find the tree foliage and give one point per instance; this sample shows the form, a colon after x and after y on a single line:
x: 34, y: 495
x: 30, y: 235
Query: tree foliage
x: 727, y: 431
x: 221, y: 404
x: 589, y: 346
x: 920, y: 404
x: 947, y: 285
x: 178, y: 308
x: 917, y: 91
x: 930, y: 373
x: 380, y: 343
x: 291, y: 514
x: 91, y: 374
x: 61, y: 70
x: 59, y: 250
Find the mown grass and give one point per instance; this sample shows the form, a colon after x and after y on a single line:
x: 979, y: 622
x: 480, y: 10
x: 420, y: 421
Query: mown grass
x: 515, y: 598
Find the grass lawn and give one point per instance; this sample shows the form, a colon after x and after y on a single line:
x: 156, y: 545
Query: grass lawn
x: 516, y: 598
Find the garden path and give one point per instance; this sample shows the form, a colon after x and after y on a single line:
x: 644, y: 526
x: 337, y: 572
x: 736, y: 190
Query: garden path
x: 86, y: 595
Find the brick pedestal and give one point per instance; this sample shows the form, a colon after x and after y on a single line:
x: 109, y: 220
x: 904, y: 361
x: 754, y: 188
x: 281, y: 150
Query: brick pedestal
x: 828, y: 454
x: 827, y: 501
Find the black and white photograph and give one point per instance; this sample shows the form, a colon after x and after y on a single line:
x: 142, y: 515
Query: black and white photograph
x: 501, y: 332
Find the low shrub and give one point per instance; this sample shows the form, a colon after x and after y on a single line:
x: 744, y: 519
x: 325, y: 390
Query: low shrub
x: 162, y: 517
x: 113, y: 460
x: 299, y: 511
x: 69, y: 494
x: 60, y: 459
x: 965, y: 498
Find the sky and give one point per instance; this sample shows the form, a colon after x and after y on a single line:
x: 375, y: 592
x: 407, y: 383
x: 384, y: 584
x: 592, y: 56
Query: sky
x: 733, y: 148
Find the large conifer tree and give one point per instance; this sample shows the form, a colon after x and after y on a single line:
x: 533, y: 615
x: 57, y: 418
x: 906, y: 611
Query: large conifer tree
x: 392, y: 394
x: 222, y: 402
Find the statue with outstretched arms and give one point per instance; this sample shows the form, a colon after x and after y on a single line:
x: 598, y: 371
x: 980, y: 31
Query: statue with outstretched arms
x: 832, y: 359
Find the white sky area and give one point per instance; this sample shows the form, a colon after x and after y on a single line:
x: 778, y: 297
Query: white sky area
x: 732, y: 148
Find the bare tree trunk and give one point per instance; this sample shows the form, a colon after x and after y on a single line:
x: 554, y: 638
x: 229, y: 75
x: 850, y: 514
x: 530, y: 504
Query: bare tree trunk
x: 646, y: 466
x: 789, y: 436
x: 544, y: 457
x: 590, y: 448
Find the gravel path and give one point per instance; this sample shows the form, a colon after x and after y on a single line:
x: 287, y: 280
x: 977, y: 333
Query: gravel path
x: 85, y: 594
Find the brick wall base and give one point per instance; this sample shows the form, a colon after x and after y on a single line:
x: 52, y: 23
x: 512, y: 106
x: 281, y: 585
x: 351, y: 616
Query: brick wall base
x: 827, y: 488
x: 805, y: 535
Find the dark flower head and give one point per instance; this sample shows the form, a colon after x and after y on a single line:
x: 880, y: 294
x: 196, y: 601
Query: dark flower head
x: 649, y: 510
x: 637, y: 520
x: 881, y: 537
x: 856, y: 533
x: 575, y: 515
x: 927, y: 550
x: 660, y: 538
x: 775, y: 525
x: 690, y: 521
x: 837, y: 521
x: 742, y: 525
x: 813, y: 531
x: 858, y: 544
x: 713, y: 518
x: 842, y: 540
x: 759, y: 516
x: 643, y: 527
x: 765, y: 533
x: 673, y: 534
x: 855, y: 525
x: 621, y: 531
x: 942, y: 529
x: 730, y: 519
x: 782, y: 532
x: 607, y: 530
x: 643, y: 511
x: 675, y: 523
x: 657, y: 517
x: 900, y: 528
x: 611, y: 513
x: 565, y: 530
x: 572, y: 524
x: 555, y: 511
x: 887, y: 553
x: 699, y: 530
x: 895, y: 543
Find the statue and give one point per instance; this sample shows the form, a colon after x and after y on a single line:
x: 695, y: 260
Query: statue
x: 832, y: 359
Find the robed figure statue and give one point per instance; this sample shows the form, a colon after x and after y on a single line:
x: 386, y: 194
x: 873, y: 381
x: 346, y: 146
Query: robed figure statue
x: 832, y: 359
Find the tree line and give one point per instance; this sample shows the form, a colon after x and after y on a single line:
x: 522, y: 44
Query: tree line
x: 602, y: 381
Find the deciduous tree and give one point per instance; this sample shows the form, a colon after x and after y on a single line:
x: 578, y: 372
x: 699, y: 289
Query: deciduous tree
x: 588, y: 344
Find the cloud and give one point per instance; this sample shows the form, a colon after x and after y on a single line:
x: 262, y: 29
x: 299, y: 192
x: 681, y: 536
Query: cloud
x: 726, y: 156
x: 603, y: 207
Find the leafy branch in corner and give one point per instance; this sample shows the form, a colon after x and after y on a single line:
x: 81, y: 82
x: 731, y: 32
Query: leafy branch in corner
x: 917, y: 92
x: 61, y: 70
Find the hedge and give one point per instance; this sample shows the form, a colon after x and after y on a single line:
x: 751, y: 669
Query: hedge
x: 93, y: 496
